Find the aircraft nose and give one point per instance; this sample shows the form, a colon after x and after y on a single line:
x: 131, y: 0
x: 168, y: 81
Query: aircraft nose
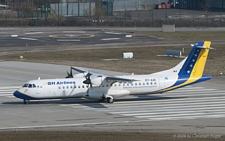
x: 20, y: 95
x: 17, y: 94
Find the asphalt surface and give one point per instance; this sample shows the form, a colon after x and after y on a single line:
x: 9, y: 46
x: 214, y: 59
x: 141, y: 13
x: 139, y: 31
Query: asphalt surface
x: 189, y: 110
x: 25, y: 37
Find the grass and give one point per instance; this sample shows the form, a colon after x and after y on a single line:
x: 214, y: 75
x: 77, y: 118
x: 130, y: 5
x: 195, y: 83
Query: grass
x: 145, y: 59
x: 194, y: 36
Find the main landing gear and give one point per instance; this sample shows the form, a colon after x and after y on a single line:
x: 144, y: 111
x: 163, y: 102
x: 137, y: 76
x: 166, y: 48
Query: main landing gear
x: 109, y: 100
x: 26, y: 101
x: 106, y: 99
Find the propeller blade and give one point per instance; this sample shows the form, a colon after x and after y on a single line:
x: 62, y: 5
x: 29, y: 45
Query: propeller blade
x: 88, y: 79
x: 69, y: 74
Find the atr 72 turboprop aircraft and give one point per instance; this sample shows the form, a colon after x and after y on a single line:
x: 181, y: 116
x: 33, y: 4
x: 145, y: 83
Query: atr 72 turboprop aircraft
x: 102, y: 87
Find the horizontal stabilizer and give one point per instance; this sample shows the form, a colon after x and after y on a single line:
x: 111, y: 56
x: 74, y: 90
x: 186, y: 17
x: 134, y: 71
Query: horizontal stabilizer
x: 203, y: 47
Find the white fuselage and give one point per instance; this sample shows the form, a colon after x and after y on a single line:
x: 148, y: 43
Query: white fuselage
x: 74, y: 87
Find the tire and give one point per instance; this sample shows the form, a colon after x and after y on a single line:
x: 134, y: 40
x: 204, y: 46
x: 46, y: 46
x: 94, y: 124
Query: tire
x: 26, y: 101
x: 110, y: 100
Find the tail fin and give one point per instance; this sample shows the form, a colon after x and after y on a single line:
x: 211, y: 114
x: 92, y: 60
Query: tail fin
x: 192, y: 69
x: 196, y: 60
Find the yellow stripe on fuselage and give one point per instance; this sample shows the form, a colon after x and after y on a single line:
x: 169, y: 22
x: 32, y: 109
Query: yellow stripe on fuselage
x: 198, y: 67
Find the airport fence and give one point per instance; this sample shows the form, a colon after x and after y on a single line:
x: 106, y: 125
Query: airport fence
x: 144, y: 16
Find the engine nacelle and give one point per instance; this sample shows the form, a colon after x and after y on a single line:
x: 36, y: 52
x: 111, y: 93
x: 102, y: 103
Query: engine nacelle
x: 117, y: 93
x: 97, y: 81
x: 95, y: 93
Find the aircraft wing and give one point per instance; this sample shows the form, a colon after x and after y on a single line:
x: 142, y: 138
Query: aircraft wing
x: 110, y: 79
x: 81, y: 70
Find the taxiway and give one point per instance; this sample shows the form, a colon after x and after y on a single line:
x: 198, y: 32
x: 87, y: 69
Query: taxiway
x: 193, y: 109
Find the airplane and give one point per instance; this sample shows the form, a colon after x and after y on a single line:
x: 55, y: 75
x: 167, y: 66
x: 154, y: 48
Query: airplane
x: 91, y: 85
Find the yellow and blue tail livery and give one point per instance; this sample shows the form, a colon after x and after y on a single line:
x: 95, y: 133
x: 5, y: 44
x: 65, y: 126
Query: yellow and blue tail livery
x: 192, y: 69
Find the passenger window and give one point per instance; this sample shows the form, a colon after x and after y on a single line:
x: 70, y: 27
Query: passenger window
x: 75, y: 86
x: 63, y: 87
x: 78, y: 86
x: 59, y: 87
x: 139, y: 83
x: 143, y: 83
x: 82, y: 86
x: 71, y: 87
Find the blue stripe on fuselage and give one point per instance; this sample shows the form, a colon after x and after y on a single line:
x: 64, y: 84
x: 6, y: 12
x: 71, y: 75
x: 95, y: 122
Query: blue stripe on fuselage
x: 20, y: 95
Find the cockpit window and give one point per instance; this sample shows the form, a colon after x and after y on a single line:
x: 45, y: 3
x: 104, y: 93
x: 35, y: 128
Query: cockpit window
x: 25, y: 85
x: 30, y: 85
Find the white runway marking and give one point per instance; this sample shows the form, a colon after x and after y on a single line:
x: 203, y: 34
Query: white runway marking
x: 30, y: 33
x: 128, y: 36
x: 14, y: 36
x: 113, y: 33
x: 188, y: 103
x: 6, y: 94
x: 32, y: 39
x: 8, y: 91
x: 67, y: 40
x: 108, y: 39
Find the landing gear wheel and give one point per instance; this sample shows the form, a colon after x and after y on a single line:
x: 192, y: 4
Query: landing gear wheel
x: 25, y: 101
x: 110, y: 100
x: 102, y: 99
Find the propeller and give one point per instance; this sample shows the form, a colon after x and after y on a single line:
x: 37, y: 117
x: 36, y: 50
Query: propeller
x: 69, y: 74
x: 88, y: 79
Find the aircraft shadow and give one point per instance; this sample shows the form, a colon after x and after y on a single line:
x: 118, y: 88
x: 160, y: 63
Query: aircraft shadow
x: 148, y: 97
x: 89, y: 102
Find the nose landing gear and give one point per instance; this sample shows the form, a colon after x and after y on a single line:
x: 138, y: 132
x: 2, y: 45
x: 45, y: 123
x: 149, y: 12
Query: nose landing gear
x: 26, y: 101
